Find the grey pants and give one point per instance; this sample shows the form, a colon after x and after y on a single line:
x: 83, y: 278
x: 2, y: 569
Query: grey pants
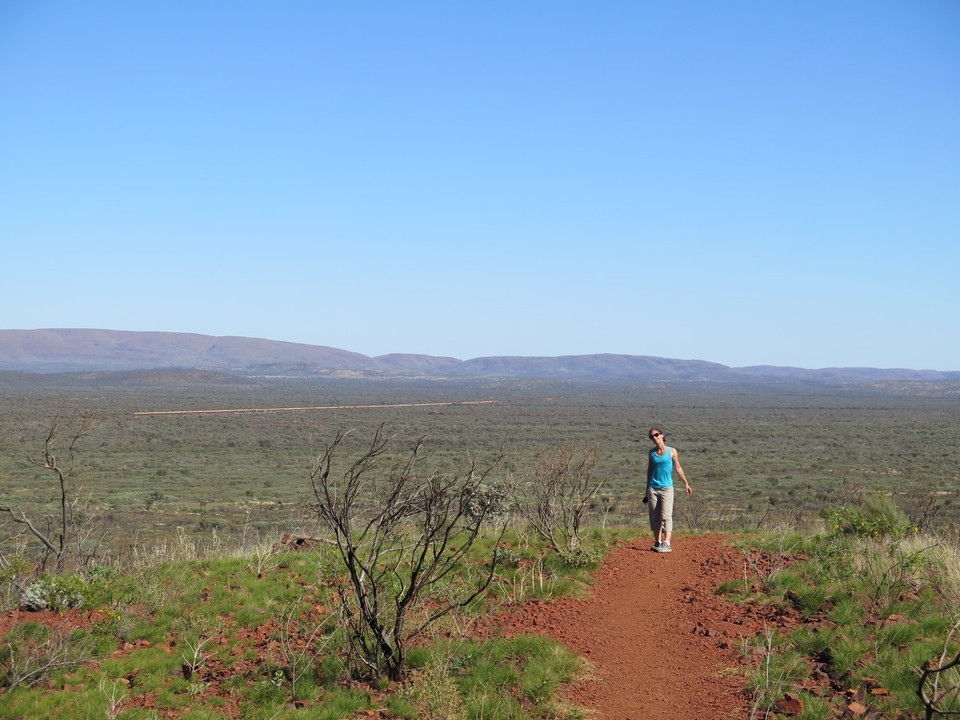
x: 660, y: 507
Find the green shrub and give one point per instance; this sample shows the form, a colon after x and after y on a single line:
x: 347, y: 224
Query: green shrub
x: 849, y: 650
x: 584, y: 557
x: 55, y: 592
x: 831, y: 560
x: 877, y: 517
x: 508, y: 558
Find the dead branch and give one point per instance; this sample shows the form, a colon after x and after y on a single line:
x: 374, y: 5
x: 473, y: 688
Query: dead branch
x: 75, y: 526
x: 933, y: 699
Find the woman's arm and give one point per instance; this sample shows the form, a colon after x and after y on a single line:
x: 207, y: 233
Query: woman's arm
x: 679, y: 469
x: 646, y: 490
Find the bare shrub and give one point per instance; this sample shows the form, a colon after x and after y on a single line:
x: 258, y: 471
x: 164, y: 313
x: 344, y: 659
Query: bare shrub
x: 31, y: 653
x: 73, y: 532
x: 403, y: 539
x: 939, y: 687
x: 555, y: 501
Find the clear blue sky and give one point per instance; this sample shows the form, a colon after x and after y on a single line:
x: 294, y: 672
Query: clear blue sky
x: 745, y: 182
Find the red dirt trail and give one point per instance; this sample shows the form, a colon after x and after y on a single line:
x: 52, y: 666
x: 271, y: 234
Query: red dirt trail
x: 661, y: 643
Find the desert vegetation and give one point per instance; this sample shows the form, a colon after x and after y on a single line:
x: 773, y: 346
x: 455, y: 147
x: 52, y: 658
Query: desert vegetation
x: 756, y: 453
x: 151, y: 544
x: 877, y: 604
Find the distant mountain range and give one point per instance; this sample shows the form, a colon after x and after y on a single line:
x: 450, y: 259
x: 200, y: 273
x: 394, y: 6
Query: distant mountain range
x: 76, y: 350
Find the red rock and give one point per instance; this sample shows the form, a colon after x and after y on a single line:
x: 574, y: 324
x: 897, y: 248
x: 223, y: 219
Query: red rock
x: 790, y: 704
x: 855, y: 709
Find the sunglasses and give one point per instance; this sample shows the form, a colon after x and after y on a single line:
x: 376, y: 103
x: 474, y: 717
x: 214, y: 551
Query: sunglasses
x: 655, y: 435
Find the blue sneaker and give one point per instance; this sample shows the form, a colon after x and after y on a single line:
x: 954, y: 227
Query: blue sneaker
x: 665, y: 547
x: 656, y: 546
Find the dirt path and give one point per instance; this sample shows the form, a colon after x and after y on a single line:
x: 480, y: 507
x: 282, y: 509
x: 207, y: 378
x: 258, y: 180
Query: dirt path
x: 659, y: 640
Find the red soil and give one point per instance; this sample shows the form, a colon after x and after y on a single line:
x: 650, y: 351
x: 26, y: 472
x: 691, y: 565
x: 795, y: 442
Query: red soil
x: 661, y: 643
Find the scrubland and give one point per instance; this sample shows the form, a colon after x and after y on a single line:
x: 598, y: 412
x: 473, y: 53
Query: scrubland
x: 850, y: 492
x: 753, y: 453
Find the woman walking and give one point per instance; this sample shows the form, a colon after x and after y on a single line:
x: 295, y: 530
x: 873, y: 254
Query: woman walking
x: 663, y: 460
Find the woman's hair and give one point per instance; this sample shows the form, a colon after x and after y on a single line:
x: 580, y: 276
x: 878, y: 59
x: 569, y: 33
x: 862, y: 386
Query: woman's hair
x: 656, y: 429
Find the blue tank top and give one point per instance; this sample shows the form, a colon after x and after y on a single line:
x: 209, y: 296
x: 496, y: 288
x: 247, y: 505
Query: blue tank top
x: 661, y: 470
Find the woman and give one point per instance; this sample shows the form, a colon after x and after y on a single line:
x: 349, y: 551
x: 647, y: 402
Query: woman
x: 663, y: 460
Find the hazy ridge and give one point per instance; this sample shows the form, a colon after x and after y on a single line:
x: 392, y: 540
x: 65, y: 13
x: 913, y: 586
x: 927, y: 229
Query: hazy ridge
x: 88, y: 350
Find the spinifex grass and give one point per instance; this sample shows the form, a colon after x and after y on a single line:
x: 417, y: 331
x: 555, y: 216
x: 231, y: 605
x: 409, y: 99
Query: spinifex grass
x: 506, y: 678
x: 879, y: 612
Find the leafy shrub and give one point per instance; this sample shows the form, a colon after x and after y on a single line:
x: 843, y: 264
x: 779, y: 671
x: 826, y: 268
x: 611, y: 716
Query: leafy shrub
x: 831, y: 560
x: 102, y: 573
x: 584, y: 556
x: 877, y: 517
x: 55, y: 592
x: 487, y: 500
x: 508, y: 558
x: 12, y: 568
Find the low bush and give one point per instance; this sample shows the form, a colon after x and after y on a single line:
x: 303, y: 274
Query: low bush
x: 55, y: 592
x: 876, y: 516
